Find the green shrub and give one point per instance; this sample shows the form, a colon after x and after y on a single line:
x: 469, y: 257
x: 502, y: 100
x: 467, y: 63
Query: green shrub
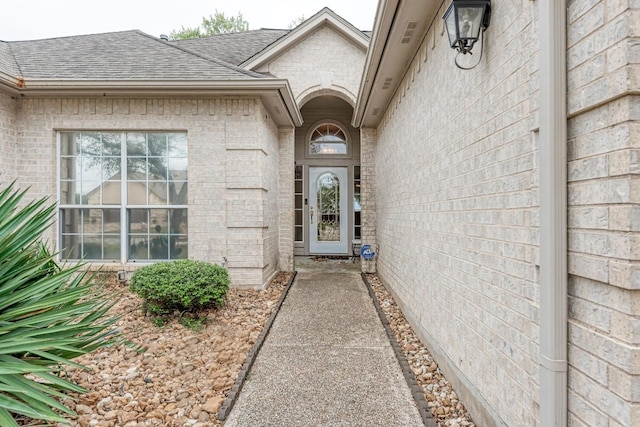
x: 158, y: 322
x: 49, y: 315
x: 183, y: 285
x: 195, y: 324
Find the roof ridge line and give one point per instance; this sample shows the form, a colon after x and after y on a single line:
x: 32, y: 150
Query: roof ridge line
x: 73, y: 36
x: 228, y: 65
x: 267, y: 46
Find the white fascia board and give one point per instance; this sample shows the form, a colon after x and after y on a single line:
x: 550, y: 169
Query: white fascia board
x: 174, y: 86
x: 381, y: 30
x: 262, y: 88
x: 11, y: 83
x: 302, y: 32
x: 287, y: 97
x: 390, y: 56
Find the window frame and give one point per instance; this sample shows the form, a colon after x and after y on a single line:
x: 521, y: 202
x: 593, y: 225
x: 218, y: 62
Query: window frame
x: 345, y: 131
x: 124, y: 208
x: 302, y: 209
x: 357, y: 198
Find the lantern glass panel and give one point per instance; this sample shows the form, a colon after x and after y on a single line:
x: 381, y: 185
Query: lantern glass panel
x: 470, y: 21
x: 450, y: 22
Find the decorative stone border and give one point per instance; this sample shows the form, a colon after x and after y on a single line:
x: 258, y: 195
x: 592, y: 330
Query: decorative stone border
x: 416, y: 391
x: 228, y: 403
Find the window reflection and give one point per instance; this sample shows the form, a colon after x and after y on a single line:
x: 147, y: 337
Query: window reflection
x: 328, y: 138
x: 91, y: 175
x: 92, y: 234
x: 328, y: 202
x: 157, y: 234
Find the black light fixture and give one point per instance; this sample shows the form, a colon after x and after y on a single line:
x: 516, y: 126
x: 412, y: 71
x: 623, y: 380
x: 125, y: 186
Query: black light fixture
x: 464, y: 20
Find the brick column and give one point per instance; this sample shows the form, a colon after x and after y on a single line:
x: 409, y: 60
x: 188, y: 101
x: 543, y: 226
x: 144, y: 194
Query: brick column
x: 286, y: 166
x: 368, y: 138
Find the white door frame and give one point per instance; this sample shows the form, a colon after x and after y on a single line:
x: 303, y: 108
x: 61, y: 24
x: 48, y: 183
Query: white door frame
x: 317, y: 246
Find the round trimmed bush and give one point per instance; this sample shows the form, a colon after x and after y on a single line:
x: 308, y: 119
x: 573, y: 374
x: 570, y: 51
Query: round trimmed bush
x: 183, y: 285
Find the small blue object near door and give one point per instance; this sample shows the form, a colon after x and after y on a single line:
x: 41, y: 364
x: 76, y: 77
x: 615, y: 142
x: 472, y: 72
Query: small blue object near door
x: 366, y: 252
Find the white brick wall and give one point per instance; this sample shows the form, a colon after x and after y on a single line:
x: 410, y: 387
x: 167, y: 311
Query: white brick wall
x: 286, y: 200
x: 457, y: 212
x: 7, y: 139
x: 604, y: 199
x: 233, y: 157
x: 271, y: 138
x: 457, y: 199
x: 323, y: 61
x: 367, y: 194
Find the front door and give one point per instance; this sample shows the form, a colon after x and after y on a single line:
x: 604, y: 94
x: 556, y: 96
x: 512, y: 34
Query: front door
x: 328, y: 219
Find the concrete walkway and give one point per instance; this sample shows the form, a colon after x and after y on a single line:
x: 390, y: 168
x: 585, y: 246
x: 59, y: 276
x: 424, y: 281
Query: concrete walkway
x: 327, y: 361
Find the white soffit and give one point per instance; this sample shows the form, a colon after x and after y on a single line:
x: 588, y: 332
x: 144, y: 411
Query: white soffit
x: 399, y: 30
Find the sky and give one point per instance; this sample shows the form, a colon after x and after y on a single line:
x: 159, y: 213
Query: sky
x: 38, y: 19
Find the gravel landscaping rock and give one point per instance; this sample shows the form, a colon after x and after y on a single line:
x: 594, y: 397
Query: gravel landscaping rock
x: 441, y: 398
x: 183, y: 376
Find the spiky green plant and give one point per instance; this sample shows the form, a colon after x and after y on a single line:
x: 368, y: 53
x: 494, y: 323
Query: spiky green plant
x: 49, y: 315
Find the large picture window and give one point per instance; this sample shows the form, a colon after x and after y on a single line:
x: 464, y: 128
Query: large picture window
x: 123, y: 195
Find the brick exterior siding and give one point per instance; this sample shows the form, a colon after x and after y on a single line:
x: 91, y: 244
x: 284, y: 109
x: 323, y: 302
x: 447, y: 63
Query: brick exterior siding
x: 458, y: 212
x: 233, y: 173
x: 324, y: 60
x: 286, y: 198
x: 457, y: 215
x: 604, y: 213
x: 368, y: 195
x: 7, y: 139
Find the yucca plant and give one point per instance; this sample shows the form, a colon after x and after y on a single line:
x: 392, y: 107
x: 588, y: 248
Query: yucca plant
x: 49, y: 315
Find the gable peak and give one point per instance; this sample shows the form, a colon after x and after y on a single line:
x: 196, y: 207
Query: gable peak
x: 325, y: 17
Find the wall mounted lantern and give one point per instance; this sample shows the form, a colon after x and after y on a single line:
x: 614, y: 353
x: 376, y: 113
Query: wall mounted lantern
x: 464, y: 19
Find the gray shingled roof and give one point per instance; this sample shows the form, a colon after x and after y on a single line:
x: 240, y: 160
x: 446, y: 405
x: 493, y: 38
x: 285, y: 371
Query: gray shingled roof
x: 8, y: 64
x: 234, y: 48
x: 127, y: 55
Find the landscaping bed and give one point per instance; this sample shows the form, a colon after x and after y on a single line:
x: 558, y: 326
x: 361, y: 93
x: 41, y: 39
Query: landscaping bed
x: 441, y: 399
x: 180, y: 372
x: 183, y: 375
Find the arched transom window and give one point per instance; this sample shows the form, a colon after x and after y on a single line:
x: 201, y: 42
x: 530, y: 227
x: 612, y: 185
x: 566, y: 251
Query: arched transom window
x: 327, y: 139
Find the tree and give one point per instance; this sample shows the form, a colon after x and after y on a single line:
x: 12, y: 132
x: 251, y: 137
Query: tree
x: 218, y: 23
x: 299, y: 20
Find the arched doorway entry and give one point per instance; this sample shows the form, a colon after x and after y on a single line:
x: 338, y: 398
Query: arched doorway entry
x: 327, y: 179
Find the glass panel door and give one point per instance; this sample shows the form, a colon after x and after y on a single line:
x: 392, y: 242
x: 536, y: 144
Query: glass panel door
x: 328, y: 218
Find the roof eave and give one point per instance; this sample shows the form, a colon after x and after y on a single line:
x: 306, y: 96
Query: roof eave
x: 11, y: 83
x: 381, y: 28
x: 275, y: 94
x: 389, y: 55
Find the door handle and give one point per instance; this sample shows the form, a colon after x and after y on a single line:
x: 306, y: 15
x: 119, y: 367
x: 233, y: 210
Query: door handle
x: 311, y: 213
